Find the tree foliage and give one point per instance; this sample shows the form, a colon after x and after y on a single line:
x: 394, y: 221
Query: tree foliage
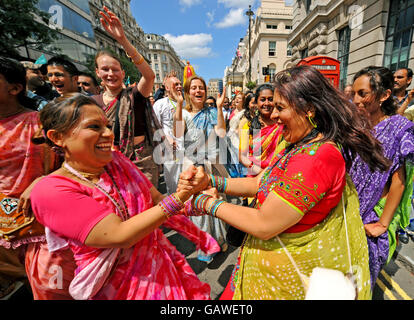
x: 21, y: 25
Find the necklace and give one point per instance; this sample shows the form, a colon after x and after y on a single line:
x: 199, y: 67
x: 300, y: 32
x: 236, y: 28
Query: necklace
x: 87, y: 175
x: 123, y: 210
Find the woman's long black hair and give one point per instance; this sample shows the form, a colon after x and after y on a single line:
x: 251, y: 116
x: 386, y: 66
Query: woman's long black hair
x: 381, y: 79
x: 338, y: 119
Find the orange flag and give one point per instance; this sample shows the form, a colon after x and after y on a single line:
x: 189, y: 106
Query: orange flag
x: 188, y: 71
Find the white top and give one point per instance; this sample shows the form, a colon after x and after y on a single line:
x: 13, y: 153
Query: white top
x: 164, y: 110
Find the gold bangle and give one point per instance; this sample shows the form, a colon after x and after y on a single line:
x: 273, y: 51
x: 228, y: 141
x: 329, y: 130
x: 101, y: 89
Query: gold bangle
x: 136, y: 53
x: 140, y: 61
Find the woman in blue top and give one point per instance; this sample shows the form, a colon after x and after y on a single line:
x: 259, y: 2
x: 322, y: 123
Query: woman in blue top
x: 203, y: 129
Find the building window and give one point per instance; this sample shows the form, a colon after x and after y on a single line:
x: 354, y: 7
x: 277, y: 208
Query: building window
x: 399, y: 34
x: 307, y: 5
x: 272, y: 48
x: 271, y: 26
x: 289, y: 51
x: 344, y: 40
x: 155, y: 56
x: 288, y: 27
x: 156, y: 67
x: 304, y: 53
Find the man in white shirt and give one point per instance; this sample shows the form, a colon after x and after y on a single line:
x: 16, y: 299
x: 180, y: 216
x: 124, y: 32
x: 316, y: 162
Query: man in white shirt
x: 164, y: 109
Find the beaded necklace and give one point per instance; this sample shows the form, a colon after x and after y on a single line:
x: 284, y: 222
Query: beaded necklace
x: 123, y: 211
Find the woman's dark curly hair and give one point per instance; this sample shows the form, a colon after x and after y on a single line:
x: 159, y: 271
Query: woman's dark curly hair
x: 338, y: 119
x: 381, y: 79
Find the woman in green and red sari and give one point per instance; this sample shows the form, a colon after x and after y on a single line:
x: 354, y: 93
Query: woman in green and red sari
x: 301, y: 196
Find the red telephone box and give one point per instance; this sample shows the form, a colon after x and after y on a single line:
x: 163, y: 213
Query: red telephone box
x: 328, y: 66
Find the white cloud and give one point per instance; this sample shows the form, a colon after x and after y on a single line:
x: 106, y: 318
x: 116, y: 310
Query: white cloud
x: 191, y: 45
x: 233, y: 18
x: 210, y: 18
x: 189, y: 3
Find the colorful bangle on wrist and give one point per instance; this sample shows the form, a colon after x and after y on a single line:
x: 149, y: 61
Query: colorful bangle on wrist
x: 214, y: 207
x: 220, y: 183
x: 171, y: 205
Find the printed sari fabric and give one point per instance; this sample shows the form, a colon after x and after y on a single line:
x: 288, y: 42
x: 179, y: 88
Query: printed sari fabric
x: 313, y: 184
x: 396, y: 135
x: 21, y: 162
x: 260, y: 147
x: 153, y: 269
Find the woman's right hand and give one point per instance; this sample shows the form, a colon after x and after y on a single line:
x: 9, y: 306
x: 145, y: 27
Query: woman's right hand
x: 177, y: 96
x: 112, y: 25
x: 193, y: 180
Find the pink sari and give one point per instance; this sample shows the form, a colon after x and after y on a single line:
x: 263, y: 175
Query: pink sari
x: 21, y: 162
x: 153, y: 269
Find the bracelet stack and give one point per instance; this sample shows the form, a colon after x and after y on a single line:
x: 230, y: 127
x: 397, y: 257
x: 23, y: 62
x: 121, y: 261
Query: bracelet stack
x: 219, y: 183
x: 171, y: 205
x: 200, y: 205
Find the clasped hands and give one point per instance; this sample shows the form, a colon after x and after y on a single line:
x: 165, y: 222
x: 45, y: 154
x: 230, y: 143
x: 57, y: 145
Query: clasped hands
x: 193, y: 182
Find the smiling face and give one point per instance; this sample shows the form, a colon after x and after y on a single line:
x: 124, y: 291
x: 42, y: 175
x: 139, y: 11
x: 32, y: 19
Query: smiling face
x: 238, y: 102
x: 295, y: 126
x: 62, y: 80
x: 265, y: 103
x: 88, y: 145
x: 110, y: 71
x: 197, y: 93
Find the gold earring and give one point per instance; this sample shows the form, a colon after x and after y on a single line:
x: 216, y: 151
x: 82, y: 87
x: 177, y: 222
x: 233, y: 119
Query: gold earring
x: 311, y: 121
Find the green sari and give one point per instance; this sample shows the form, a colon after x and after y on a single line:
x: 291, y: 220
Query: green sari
x: 266, y: 272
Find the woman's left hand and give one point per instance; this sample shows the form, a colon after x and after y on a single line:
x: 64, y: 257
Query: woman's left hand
x: 375, y: 229
x: 220, y: 98
x: 112, y: 25
x: 193, y: 180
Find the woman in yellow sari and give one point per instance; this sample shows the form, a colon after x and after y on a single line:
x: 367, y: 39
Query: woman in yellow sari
x: 302, y: 198
x: 259, y: 135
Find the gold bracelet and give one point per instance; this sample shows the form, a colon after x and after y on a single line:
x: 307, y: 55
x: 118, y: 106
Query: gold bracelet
x: 140, y: 61
x: 136, y: 53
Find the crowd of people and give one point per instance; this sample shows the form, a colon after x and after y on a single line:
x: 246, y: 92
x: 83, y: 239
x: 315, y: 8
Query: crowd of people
x: 311, y: 176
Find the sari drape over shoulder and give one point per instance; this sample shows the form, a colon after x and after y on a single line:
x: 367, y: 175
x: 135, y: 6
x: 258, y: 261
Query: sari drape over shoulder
x: 396, y: 135
x: 312, y: 180
x: 261, y: 146
x: 153, y: 269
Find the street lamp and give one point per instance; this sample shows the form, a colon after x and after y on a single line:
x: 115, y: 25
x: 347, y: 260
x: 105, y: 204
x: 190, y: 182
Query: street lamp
x: 250, y: 13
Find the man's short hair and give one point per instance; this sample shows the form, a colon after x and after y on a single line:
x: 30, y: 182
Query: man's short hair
x: 89, y: 75
x: 66, y: 64
x: 409, y: 71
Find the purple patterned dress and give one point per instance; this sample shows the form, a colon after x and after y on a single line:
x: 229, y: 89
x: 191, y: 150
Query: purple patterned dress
x: 396, y: 134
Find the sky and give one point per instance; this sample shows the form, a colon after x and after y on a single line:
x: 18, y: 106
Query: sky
x: 204, y: 32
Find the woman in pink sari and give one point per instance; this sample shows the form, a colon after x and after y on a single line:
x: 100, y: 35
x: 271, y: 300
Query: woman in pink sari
x: 105, y: 210
x: 21, y: 165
